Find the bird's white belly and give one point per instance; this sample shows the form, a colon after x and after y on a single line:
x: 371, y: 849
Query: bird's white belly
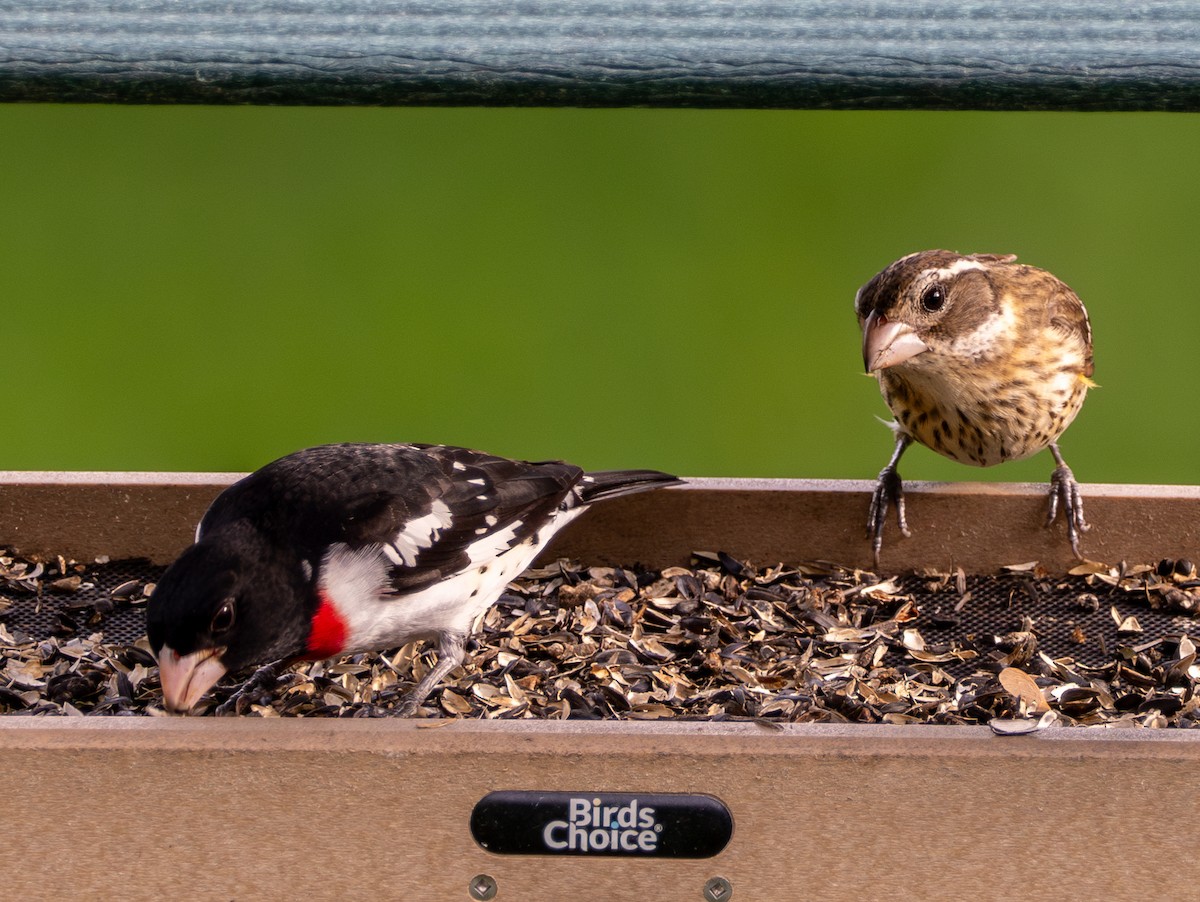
x: 450, y: 605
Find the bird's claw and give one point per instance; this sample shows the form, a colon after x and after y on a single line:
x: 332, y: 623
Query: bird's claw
x: 407, y: 708
x: 246, y: 695
x: 1064, y: 491
x: 371, y: 711
x: 451, y: 650
x: 889, y: 489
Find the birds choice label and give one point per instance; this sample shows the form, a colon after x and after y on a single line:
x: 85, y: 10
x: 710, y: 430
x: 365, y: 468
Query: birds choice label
x: 644, y: 825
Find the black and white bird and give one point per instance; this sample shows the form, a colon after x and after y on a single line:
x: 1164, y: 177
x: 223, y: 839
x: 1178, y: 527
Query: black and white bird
x: 360, y: 547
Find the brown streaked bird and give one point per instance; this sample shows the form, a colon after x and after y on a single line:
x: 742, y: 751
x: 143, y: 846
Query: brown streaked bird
x: 980, y: 358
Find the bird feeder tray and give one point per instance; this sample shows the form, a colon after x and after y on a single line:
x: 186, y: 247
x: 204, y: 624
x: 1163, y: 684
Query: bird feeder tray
x: 733, y: 806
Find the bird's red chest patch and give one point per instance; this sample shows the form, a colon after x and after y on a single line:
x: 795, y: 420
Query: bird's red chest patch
x: 328, y: 635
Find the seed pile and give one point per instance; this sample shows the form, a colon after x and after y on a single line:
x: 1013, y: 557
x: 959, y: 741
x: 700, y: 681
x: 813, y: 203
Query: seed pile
x: 721, y: 640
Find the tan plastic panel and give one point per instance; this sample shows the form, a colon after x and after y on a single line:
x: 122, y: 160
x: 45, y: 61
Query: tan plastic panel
x: 979, y: 526
x: 250, y: 809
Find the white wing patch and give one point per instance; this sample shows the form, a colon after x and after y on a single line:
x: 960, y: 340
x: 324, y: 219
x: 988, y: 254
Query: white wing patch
x: 494, y: 545
x: 418, y: 534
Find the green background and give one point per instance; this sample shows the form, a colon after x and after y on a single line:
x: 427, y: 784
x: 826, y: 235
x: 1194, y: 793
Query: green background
x: 208, y: 288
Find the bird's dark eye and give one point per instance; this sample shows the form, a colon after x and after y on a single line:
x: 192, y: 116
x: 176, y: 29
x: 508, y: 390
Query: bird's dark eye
x: 223, y: 620
x: 934, y: 298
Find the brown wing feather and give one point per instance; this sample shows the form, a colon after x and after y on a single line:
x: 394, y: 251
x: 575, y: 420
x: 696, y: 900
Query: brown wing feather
x: 1068, y: 317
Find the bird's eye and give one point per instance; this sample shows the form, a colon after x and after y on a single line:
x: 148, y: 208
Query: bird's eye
x: 223, y: 620
x: 934, y: 298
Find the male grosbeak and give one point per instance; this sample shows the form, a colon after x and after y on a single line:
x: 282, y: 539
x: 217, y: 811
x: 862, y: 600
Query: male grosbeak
x: 360, y: 547
x: 981, y: 359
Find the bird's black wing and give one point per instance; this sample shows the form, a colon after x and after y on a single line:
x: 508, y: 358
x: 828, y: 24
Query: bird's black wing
x: 479, y: 506
x: 431, y: 509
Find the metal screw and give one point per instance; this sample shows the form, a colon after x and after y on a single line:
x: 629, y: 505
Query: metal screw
x: 483, y: 887
x: 718, y: 889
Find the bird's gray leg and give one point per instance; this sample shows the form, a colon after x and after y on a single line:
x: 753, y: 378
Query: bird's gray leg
x: 1064, y: 490
x: 451, y: 651
x: 888, y: 489
x: 262, y: 678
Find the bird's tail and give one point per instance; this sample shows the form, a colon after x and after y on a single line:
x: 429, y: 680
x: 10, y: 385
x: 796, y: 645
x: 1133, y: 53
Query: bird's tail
x: 614, y: 483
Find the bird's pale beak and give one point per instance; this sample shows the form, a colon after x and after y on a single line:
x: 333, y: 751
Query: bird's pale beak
x: 185, y: 678
x: 888, y: 342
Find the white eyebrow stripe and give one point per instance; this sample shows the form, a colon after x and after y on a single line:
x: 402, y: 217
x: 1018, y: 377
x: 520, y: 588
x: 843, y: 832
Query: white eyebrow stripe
x: 956, y: 268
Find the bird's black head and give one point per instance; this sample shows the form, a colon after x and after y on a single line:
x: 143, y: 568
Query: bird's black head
x: 232, y: 600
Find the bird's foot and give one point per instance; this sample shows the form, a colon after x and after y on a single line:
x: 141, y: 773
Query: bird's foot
x: 451, y: 650
x: 249, y: 691
x: 408, y: 707
x: 889, y: 489
x: 1064, y: 492
x: 371, y: 710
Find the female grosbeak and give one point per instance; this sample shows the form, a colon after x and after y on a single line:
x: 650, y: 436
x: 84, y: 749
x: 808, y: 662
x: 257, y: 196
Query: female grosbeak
x: 981, y: 359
